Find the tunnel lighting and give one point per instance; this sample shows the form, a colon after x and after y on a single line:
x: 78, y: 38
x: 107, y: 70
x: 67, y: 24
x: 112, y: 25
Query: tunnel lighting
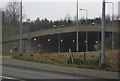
x: 96, y: 42
x: 73, y: 40
x: 49, y: 40
x: 61, y: 40
x: 34, y: 39
x: 85, y: 41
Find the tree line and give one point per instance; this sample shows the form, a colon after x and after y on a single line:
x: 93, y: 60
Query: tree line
x: 11, y: 21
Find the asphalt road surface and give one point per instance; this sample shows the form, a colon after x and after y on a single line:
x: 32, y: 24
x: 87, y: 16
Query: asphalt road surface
x: 21, y: 73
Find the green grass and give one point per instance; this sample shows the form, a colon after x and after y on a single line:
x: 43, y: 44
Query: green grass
x: 0, y: 54
x: 62, y: 58
x: 8, y: 54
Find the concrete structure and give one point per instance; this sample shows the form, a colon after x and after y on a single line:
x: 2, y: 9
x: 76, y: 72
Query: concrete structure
x: 47, y: 40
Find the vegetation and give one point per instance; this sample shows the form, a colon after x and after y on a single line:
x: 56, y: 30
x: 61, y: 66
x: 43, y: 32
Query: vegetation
x: 63, y: 59
x: 11, y: 20
x: 8, y: 54
x: 10, y: 26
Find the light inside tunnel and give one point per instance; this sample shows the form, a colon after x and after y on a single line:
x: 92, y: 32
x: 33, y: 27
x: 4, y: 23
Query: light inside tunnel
x: 96, y: 42
x: 61, y: 40
x: 34, y: 39
x: 73, y: 41
x: 49, y: 40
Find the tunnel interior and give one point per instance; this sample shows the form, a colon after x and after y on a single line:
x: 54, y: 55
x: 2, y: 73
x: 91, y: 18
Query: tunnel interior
x: 64, y: 41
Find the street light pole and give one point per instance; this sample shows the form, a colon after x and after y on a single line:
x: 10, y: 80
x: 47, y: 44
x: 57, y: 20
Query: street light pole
x: 59, y: 42
x: 113, y: 41
x: 77, y: 37
x: 102, y: 58
x: 86, y: 31
x: 29, y: 43
x: 21, y: 27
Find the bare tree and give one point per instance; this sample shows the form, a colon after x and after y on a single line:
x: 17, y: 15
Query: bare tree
x: 12, y: 13
x: 11, y: 18
x: 68, y: 17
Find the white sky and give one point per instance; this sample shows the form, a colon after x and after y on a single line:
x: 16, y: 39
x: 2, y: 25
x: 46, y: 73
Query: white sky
x: 57, y: 9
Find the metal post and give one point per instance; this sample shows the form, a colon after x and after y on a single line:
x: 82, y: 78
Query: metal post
x: 98, y: 39
x: 21, y: 27
x: 77, y: 37
x: 86, y: 41
x: 113, y: 40
x: 59, y: 42
x: 29, y: 43
x: 102, y: 61
x: 86, y: 31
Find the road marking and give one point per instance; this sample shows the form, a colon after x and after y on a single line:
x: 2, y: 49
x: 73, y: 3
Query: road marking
x: 10, y: 78
x: 7, y: 77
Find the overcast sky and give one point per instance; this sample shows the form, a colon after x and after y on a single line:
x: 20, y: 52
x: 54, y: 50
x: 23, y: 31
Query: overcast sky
x: 58, y: 9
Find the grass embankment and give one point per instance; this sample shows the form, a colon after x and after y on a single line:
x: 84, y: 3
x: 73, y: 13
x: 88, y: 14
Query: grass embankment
x: 63, y: 59
x: 8, y: 54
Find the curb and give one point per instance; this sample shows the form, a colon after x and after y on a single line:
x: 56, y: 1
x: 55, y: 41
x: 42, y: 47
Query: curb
x: 94, y: 77
x: 63, y: 70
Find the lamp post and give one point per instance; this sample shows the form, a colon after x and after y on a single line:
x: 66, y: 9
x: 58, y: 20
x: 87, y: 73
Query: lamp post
x: 59, y: 41
x: 113, y: 41
x: 29, y: 37
x: 21, y: 27
x: 86, y: 31
x: 98, y: 38
x: 102, y: 54
x: 77, y: 37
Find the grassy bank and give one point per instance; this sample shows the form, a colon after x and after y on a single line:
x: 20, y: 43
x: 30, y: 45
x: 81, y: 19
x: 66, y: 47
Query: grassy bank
x: 63, y: 59
x: 8, y: 54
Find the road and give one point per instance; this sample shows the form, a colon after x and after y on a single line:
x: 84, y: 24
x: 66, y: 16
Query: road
x: 22, y: 73
x: 40, y: 71
x: 9, y: 72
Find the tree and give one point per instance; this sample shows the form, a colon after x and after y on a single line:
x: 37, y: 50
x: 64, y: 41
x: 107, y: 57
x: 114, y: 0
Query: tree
x: 107, y: 20
x: 11, y: 18
x: 68, y: 17
x: 12, y: 13
x: 28, y: 20
x: 3, y: 17
x: 75, y: 18
x: 97, y: 20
